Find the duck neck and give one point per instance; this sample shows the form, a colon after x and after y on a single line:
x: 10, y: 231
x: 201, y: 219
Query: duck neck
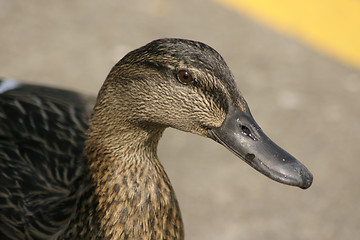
x: 133, y: 196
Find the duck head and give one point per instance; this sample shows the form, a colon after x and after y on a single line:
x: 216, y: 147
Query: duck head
x: 188, y: 86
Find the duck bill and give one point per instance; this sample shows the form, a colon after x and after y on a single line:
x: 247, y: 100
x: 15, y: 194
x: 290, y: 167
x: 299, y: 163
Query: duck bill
x: 242, y: 135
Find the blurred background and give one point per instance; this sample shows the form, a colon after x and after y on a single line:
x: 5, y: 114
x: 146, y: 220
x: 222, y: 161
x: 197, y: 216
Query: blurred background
x: 296, y: 62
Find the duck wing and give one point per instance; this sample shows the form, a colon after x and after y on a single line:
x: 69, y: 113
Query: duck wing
x: 42, y: 137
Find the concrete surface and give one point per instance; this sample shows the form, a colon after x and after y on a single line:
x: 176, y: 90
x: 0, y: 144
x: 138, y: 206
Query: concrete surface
x: 329, y: 26
x: 307, y: 102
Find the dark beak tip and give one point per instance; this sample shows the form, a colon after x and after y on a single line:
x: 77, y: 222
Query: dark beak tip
x: 307, y: 180
x: 296, y: 174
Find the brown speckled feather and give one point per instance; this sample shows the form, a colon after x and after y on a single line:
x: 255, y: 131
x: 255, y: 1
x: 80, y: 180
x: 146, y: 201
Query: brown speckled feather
x: 42, y: 134
x: 55, y: 183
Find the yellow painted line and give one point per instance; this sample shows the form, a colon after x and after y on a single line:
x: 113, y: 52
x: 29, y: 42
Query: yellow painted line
x: 331, y: 26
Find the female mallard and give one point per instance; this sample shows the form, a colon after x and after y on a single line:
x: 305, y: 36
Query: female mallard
x: 57, y: 183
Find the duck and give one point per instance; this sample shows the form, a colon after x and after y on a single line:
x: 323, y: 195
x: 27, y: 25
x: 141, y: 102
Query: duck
x: 68, y: 171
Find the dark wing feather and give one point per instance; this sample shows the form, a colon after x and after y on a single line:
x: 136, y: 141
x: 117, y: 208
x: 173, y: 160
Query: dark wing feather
x: 42, y: 134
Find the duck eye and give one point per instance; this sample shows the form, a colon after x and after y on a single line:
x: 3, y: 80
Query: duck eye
x: 184, y: 76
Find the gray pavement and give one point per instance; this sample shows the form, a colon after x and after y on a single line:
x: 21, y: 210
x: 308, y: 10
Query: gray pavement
x: 305, y: 101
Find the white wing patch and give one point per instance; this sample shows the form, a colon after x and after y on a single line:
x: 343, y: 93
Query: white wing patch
x: 8, y: 84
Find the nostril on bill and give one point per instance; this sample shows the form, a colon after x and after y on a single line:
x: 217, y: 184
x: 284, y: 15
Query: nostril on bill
x: 247, y: 132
